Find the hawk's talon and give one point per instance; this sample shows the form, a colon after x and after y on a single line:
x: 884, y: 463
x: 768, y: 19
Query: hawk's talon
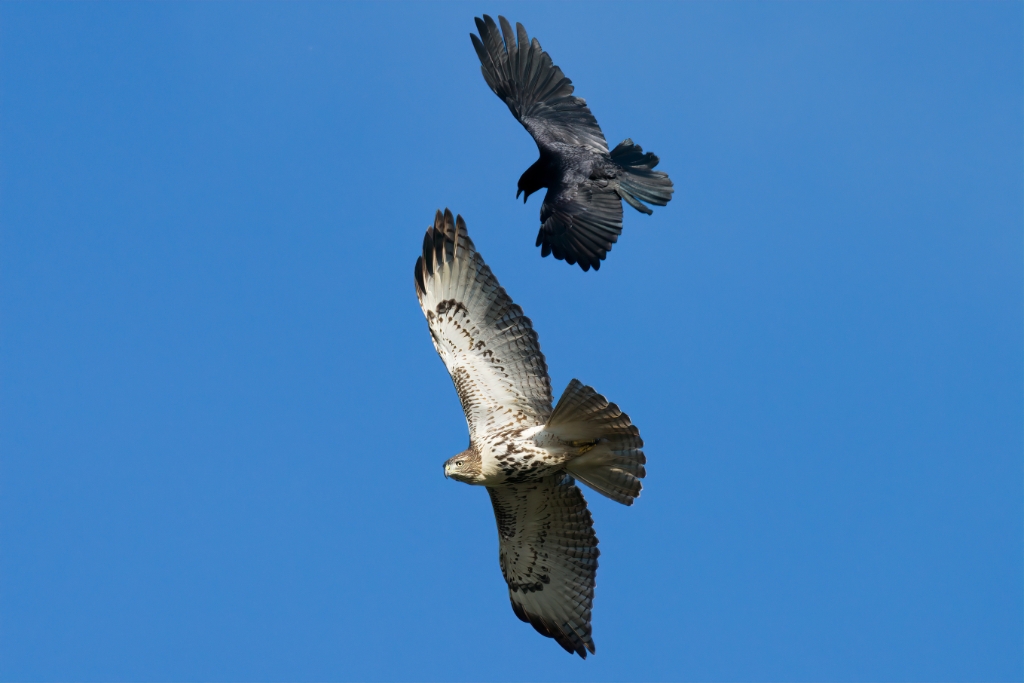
x: 584, y: 445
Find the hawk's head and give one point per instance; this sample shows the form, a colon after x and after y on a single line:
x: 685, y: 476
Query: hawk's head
x: 464, y: 467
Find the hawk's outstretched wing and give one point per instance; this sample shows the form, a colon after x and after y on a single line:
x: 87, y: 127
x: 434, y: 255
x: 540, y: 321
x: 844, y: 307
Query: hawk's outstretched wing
x: 581, y: 225
x: 535, y: 90
x: 485, y: 341
x: 548, y: 553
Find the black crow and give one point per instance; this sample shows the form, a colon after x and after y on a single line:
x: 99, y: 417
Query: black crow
x: 581, y: 216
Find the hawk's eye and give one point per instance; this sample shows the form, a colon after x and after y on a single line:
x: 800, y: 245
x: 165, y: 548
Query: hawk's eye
x: 458, y: 463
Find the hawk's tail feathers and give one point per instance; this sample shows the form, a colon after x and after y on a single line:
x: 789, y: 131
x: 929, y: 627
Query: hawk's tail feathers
x: 640, y: 182
x: 610, y: 459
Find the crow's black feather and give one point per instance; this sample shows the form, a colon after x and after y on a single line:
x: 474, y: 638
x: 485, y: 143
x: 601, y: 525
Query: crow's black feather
x: 581, y: 217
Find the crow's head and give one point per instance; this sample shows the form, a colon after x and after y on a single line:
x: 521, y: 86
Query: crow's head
x: 531, y: 181
x: 523, y: 191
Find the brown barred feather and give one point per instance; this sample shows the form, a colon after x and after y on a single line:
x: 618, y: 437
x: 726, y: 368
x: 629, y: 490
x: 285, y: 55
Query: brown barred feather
x: 614, y: 465
x: 488, y: 345
x: 548, y: 554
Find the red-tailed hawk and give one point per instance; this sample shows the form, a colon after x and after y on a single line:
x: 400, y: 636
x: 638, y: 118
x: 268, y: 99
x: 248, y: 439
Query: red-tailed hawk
x: 527, y: 454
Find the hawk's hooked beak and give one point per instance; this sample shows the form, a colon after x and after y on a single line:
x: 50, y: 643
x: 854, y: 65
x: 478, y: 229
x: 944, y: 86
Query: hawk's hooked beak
x: 446, y: 470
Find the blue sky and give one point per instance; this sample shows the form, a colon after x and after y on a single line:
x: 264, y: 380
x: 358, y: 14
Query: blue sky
x: 222, y: 422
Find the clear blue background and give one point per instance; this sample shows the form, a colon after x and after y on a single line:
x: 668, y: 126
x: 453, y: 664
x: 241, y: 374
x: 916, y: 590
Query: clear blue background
x: 222, y: 422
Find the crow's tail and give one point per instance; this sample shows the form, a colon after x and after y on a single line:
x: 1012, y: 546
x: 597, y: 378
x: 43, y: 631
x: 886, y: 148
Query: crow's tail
x: 640, y: 182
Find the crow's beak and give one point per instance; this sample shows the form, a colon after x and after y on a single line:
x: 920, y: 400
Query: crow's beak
x: 519, y: 192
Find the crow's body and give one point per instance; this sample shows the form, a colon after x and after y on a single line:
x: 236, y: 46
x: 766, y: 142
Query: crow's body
x: 581, y: 216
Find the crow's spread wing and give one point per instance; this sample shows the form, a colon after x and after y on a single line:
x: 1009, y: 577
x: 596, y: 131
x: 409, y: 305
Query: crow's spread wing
x: 485, y: 341
x: 535, y: 90
x: 548, y: 554
x: 580, y: 226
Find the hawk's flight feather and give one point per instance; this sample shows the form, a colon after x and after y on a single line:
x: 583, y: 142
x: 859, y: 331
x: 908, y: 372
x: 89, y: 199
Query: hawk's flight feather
x: 523, y: 452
